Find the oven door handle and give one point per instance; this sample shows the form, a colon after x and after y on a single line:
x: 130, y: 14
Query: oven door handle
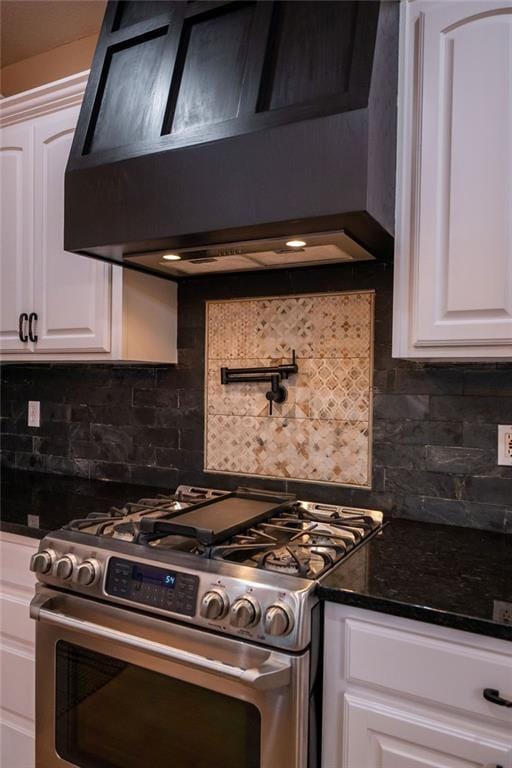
x: 273, y: 673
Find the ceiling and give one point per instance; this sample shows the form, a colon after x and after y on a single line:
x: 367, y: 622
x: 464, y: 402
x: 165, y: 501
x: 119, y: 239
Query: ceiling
x: 29, y: 27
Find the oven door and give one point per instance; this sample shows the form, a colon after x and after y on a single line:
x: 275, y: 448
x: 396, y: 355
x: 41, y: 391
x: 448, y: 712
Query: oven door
x: 121, y: 689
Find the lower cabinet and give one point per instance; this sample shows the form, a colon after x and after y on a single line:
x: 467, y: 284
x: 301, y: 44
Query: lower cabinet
x: 403, y: 694
x: 17, y: 652
x: 382, y: 736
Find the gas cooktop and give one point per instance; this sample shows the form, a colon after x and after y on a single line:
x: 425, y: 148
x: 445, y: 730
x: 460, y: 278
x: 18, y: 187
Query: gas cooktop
x: 298, y: 538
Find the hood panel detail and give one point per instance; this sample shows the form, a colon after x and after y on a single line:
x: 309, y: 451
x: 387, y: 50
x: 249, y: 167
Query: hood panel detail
x: 217, y: 122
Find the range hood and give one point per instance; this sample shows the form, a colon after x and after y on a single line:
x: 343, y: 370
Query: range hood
x: 217, y: 131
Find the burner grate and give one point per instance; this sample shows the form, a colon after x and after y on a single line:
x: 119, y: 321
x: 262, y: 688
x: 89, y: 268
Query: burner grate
x: 298, y: 538
x: 124, y: 522
x: 302, y: 540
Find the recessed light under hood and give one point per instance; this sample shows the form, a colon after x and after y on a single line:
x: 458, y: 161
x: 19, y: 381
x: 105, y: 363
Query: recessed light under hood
x: 270, y: 253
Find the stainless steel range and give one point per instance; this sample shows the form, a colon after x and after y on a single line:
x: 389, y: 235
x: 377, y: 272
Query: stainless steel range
x: 184, y: 630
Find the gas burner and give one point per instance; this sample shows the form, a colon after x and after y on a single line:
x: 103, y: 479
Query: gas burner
x: 307, y: 556
x: 122, y: 522
x: 173, y: 544
x: 297, y: 550
x: 288, y: 525
x: 304, y: 540
x: 366, y: 519
x: 296, y: 560
x: 124, y: 531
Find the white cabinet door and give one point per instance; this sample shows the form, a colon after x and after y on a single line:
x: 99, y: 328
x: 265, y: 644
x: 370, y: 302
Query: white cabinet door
x: 17, y: 652
x: 72, y: 293
x: 453, y: 291
x: 16, y: 209
x: 377, y: 736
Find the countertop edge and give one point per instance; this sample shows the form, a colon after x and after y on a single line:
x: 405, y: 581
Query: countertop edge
x: 416, y: 612
x: 22, y: 530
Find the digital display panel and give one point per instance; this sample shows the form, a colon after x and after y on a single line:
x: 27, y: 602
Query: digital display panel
x: 157, y: 576
x: 151, y: 585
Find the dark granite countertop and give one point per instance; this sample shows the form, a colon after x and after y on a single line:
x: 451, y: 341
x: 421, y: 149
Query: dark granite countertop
x: 440, y: 574
x: 33, y: 503
x: 435, y: 573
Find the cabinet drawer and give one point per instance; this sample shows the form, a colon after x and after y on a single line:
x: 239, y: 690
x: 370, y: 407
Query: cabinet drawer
x: 427, y: 668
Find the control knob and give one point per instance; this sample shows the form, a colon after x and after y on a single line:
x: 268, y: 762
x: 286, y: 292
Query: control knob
x: 278, y: 620
x: 214, y: 605
x: 244, y: 612
x: 86, y: 572
x: 42, y: 562
x: 64, y: 566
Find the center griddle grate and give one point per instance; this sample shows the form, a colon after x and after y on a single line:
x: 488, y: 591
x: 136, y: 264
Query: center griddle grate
x: 219, y: 519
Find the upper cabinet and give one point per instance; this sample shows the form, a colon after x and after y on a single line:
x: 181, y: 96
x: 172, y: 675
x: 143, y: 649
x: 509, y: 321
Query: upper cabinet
x: 71, y: 295
x: 55, y: 305
x: 16, y: 233
x: 453, y: 258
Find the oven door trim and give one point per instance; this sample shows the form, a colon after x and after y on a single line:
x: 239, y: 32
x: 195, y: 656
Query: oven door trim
x: 276, y: 683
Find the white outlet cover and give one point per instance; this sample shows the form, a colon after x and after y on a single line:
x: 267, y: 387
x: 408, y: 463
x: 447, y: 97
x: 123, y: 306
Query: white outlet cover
x: 34, y: 418
x: 505, y: 445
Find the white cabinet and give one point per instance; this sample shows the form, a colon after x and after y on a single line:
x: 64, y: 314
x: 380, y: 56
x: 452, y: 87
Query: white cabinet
x: 72, y: 293
x: 453, y: 256
x: 56, y: 305
x: 16, y: 232
x: 17, y: 652
x: 403, y: 694
x: 387, y: 737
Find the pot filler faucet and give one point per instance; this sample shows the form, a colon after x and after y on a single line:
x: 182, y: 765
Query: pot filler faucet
x: 273, y: 375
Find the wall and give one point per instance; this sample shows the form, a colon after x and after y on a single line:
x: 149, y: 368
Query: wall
x: 434, y: 448
x: 48, y: 66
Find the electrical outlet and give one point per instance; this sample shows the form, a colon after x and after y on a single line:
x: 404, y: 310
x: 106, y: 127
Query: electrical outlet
x: 33, y: 413
x: 505, y: 444
x: 502, y: 611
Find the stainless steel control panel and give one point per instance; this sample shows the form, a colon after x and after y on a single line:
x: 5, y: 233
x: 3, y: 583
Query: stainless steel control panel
x: 226, y: 598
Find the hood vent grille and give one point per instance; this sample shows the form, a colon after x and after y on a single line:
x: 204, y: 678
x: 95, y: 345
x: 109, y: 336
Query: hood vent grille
x: 320, y: 248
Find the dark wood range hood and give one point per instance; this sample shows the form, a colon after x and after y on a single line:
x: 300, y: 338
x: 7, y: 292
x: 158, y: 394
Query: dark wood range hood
x: 224, y: 129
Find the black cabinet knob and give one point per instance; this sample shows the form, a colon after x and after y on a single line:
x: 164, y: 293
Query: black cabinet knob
x: 23, y: 318
x: 492, y: 695
x: 31, y: 320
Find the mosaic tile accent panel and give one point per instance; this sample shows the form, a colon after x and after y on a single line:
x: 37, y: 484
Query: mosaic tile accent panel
x: 322, y: 431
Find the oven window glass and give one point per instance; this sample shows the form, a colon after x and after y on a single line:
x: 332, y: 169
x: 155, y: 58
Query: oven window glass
x: 111, y: 714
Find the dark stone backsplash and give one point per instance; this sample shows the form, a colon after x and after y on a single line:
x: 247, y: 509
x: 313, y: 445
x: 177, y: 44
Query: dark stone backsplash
x: 434, y: 435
